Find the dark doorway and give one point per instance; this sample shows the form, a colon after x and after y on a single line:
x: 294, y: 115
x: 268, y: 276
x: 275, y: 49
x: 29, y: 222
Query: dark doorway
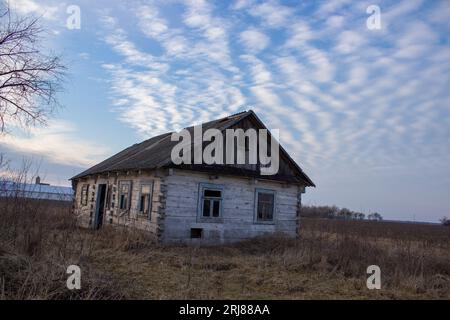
x: 100, y: 206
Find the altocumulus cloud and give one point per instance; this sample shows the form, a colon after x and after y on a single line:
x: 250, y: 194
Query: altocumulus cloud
x: 340, y: 92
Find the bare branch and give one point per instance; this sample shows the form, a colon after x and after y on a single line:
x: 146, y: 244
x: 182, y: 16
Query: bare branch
x: 29, y: 78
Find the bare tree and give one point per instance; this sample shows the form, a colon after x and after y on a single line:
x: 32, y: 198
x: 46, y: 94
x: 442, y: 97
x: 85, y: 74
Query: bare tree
x: 375, y: 216
x: 29, y: 78
x: 445, y: 221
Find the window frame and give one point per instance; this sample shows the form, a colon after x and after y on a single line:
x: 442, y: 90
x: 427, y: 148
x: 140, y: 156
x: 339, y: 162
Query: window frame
x: 201, y: 189
x: 130, y: 185
x: 274, y: 210
x: 84, y: 201
x: 138, y: 206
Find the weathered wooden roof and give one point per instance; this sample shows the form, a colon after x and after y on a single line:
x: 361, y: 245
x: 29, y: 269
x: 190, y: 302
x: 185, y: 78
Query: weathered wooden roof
x: 156, y: 153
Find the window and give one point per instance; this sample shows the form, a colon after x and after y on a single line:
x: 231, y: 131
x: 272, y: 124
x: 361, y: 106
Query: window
x: 124, y: 195
x: 210, y: 201
x: 265, y: 205
x: 145, y: 199
x: 84, y: 194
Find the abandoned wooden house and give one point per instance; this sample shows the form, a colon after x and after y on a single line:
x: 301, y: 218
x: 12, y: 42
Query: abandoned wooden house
x: 141, y: 187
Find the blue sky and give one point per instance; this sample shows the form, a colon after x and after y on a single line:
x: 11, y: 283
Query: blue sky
x: 366, y: 113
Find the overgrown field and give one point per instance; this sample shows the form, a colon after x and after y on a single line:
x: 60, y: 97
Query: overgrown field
x: 328, y: 261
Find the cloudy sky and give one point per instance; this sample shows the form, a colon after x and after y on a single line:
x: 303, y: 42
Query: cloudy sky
x: 365, y: 112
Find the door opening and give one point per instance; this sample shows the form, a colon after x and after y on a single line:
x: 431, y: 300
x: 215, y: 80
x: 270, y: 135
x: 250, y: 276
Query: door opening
x: 100, y: 206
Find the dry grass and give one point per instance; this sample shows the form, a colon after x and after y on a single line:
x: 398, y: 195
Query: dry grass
x: 328, y: 261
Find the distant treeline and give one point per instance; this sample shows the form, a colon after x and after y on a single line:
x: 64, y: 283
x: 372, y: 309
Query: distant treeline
x: 333, y: 212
